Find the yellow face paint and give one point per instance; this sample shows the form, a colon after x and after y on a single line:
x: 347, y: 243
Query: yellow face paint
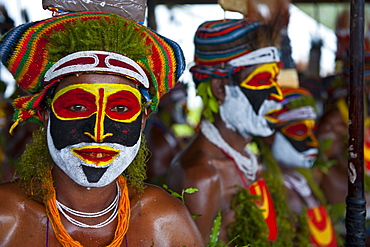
x: 119, y: 102
x: 264, y: 77
x: 80, y: 101
x: 301, y: 131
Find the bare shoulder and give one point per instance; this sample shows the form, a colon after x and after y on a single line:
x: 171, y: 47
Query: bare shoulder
x: 16, y: 202
x: 22, y: 219
x: 12, y: 195
x: 162, y: 219
x: 156, y: 197
x: 195, y: 166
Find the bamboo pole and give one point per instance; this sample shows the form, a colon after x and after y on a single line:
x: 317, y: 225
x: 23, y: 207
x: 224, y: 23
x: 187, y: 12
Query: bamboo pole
x: 356, y: 203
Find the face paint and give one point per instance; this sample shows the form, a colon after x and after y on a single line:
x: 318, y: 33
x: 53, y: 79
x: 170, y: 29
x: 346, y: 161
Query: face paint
x: 94, y: 131
x: 299, y: 133
x: 295, y: 145
x: 248, y: 108
x: 260, y: 86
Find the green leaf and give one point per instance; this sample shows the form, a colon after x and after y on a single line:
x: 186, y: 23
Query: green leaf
x: 175, y: 194
x: 191, y: 190
x: 215, y: 229
x: 194, y: 216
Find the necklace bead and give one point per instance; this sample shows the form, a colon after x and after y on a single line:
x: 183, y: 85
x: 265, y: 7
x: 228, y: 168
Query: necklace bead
x: 113, y: 206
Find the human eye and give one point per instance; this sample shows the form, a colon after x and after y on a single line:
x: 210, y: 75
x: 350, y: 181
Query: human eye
x: 120, y: 109
x: 78, y: 108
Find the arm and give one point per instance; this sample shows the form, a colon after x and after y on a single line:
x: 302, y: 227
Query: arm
x: 22, y: 220
x: 205, y: 202
x: 163, y: 221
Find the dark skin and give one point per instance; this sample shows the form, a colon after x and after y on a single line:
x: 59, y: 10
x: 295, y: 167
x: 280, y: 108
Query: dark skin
x: 204, y: 166
x: 157, y: 219
x: 161, y: 139
x: 332, y: 126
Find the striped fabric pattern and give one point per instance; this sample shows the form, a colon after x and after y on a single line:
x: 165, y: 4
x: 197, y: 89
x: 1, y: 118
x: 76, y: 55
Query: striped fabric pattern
x: 220, y: 41
x: 23, y: 51
x: 297, y: 98
x: 217, y: 42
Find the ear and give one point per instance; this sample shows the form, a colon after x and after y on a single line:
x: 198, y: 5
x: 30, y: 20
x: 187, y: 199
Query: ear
x: 143, y: 120
x: 44, y: 114
x: 218, y: 88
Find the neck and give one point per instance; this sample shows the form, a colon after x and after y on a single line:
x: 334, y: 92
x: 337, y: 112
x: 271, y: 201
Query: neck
x: 233, y: 138
x: 81, y: 198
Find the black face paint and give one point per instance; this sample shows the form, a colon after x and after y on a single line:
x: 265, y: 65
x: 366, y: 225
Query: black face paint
x: 256, y: 97
x: 93, y: 174
x: 70, y: 132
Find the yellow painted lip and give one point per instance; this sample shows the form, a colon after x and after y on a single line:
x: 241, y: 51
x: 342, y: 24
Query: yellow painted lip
x: 96, y: 154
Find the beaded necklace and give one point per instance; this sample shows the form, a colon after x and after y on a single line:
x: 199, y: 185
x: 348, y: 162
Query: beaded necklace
x: 112, y: 207
x: 61, y: 234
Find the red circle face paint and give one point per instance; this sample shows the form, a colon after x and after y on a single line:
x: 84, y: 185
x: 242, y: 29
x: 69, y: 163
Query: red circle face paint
x: 264, y: 77
x: 300, y: 134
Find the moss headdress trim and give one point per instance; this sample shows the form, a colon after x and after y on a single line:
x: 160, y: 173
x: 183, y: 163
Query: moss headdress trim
x: 31, y: 49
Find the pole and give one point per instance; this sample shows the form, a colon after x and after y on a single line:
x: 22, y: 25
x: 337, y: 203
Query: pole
x: 356, y: 203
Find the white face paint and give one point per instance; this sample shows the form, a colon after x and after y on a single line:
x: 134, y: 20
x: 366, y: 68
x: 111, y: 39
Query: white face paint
x: 286, y: 154
x: 238, y: 113
x: 72, y: 165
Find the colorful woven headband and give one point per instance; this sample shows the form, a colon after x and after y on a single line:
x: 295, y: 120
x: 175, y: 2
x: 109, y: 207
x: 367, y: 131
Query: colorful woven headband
x: 30, y: 50
x: 221, y: 46
x: 298, y: 104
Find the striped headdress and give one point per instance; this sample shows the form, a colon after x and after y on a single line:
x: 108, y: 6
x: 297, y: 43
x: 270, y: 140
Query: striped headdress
x: 30, y: 50
x: 220, y: 41
x: 298, y: 104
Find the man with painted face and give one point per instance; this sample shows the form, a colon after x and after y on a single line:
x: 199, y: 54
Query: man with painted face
x: 295, y: 148
x: 236, y: 65
x: 93, y: 78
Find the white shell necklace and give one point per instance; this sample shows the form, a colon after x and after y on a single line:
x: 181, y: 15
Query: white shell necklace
x: 248, y: 166
x: 113, y: 206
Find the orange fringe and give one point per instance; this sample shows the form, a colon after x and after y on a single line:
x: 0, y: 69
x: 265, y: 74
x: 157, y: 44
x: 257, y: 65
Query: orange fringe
x: 61, y: 234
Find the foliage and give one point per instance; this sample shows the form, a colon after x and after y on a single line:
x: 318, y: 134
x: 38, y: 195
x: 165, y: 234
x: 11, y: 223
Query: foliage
x: 213, y: 239
x: 209, y: 101
x: 117, y: 35
x: 322, y: 162
x: 177, y: 195
x: 33, y: 163
x: 249, y: 225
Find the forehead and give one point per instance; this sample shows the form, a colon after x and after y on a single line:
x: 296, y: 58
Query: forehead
x: 93, y: 79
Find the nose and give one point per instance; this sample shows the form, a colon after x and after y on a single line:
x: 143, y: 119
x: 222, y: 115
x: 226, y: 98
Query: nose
x: 275, y: 92
x: 99, y: 134
x: 312, y: 141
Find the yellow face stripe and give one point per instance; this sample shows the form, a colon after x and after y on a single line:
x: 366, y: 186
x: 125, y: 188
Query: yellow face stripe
x: 119, y: 102
x: 270, y: 69
x: 109, y: 89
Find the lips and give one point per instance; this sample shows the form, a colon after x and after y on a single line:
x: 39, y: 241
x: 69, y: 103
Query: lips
x: 96, y: 155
